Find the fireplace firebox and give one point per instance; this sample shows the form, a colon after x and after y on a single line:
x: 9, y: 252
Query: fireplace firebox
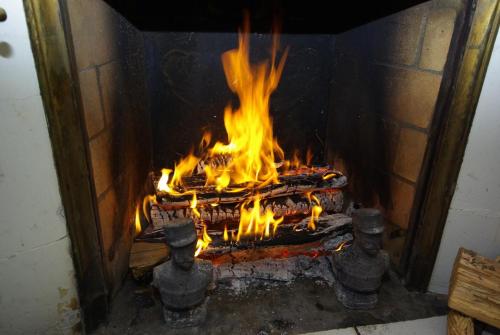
x: 268, y: 140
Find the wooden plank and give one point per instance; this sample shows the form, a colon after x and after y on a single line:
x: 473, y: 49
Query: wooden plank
x: 475, y: 287
x: 459, y: 324
x: 144, y: 256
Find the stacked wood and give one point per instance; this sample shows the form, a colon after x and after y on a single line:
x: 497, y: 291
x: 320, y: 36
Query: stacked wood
x: 330, y: 200
x: 292, y: 183
x: 459, y: 324
x: 144, y: 256
x: 475, y: 287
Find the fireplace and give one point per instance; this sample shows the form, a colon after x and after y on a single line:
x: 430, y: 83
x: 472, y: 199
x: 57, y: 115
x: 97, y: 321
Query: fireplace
x: 355, y: 116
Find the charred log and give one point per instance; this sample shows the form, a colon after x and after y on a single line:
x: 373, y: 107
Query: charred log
x: 331, y: 201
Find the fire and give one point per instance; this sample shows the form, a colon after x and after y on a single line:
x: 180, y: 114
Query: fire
x: 194, y: 202
x: 256, y: 222
x: 250, y: 144
x: 226, y: 235
x: 315, y: 211
x: 148, y: 199
x: 203, y: 242
x: 137, y: 222
x: 341, y: 246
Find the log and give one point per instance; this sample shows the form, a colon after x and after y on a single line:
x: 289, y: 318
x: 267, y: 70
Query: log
x: 145, y: 256
x: 297, y: 182
x: 330, y: 201
x: 475, y: 287
x: 459, y: 324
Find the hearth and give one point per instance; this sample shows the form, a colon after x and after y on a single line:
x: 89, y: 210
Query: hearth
x: 285, y: 158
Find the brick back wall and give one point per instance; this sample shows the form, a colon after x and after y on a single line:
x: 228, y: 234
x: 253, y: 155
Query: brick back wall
x: 109, y: 55
x: 385, y: 85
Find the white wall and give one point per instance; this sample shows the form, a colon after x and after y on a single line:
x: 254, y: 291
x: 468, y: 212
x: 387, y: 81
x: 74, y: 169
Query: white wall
x: 37, y: 285
x: 474, y: 217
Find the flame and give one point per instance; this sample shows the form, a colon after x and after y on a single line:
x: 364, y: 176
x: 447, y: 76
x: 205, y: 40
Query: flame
x: 226, y: 236
x: 341, y: 246
x: 254, y: 222
x: 202, y: 242
x: 194, y: 202
x: 315, y: 211
x: 247, y: 158
x: 148, y: 199
x: 184, y: 167
x: 138, y: 227
x: 163, y: 182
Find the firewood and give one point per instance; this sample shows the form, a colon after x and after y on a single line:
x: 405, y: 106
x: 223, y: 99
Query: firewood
x: 144, y: 256
x: 475, y: 287
x: 330, y: 201
x: 297, y: 182
x: 459, y: 324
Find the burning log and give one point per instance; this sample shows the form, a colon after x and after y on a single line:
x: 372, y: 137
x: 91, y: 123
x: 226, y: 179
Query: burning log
x: 300, y: 181
x: 331, y: 201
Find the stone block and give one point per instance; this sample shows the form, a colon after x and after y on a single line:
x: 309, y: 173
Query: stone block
x: 396, y: 38
x: 100, y: 155
x: 92, y: 108
x: 402, y: 195
x: 437, y: 38
x: 95, y: 27
x: 112, y: 92
x: 408, y: 95
x: 410, y: 153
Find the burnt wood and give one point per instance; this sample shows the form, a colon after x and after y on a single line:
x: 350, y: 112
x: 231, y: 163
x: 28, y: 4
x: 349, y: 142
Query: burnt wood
x: 296, y: 182
x: 462, y: 82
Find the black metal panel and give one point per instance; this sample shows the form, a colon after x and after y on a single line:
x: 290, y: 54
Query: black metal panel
x: 313, y: 16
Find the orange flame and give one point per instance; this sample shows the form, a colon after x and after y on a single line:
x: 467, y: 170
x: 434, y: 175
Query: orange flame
x: 194, y: 202
x: 251, y: 144
x: 255, y: 223
x: 341, y: 246
x: 226, y: 235
x: 315, y: 211
x: 202, y: 242
x: 148, y: 199
x: 137, y: 222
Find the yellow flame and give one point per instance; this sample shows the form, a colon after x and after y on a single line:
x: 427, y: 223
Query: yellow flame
x: 329, y: 176
x: 226, y: 236
x: 255, y: 222
x: 163, y: 182
x: 202, y: 242
x: 341, y: 246
x: 184, y: 167
x: 315, y: 210
x: 138, y: 227
x: 194, y: 202
x: 148, y: 199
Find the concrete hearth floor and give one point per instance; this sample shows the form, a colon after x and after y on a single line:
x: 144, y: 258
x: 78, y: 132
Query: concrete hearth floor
x: 301, y: 307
